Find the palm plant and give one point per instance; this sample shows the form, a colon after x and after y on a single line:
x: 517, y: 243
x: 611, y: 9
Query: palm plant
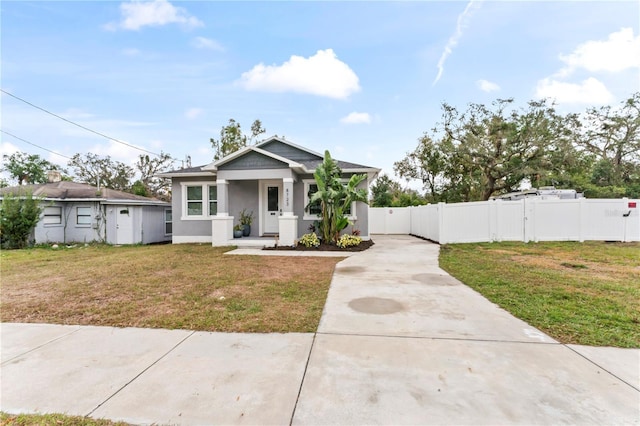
x: 334, y: 197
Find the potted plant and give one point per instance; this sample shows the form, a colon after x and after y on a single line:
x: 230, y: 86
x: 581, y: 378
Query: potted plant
x: 246, y: 219
x: 237, y: 231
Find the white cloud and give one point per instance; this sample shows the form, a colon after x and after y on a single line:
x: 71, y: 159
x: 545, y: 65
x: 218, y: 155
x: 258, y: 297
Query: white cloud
x: 591, y: 91
x: 621, y: 51
x: 130, y: 52
x: 487, y: 86
x: 7, y: 148
x: 138, y: 14
x: 193, y: 113
x: 356, y: 118
x: 207, y: 43
x: 117, y: 151
x: 463, y: 20
x: 322, y: 74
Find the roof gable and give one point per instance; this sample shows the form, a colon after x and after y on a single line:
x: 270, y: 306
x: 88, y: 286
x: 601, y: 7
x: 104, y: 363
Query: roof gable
x: 288, y: 150
x: 253, y: 160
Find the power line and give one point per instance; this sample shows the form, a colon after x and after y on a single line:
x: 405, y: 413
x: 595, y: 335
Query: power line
x: 79, y: 125
x: 31, y: 143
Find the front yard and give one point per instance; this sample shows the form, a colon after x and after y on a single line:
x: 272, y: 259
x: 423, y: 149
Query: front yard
x: 185, y: 286
x: 585, y: 293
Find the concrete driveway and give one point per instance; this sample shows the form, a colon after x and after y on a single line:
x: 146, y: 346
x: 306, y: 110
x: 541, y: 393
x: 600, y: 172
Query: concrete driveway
x: 400, y: 342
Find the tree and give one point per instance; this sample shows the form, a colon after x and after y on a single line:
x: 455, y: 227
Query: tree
x: 386, y: 192
x: 612, y: 136
x: 485, y: 151
x: 150, y: 185
x: 28, y: 168
x: 19, y: 215
x: 102, y: 171
x: 335, y: 197
x: 232, y: 138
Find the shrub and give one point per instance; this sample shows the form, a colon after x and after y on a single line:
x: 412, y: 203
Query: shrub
x: 309, y: 240
x: 348, y: 241
x: 18, y: 218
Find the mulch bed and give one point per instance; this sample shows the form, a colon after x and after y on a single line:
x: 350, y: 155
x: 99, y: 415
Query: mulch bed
x: 325, y: 247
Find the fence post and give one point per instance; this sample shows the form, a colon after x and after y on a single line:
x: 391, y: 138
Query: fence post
x: 441, y: 231
x: 493, y: 221
x: 583, y: 219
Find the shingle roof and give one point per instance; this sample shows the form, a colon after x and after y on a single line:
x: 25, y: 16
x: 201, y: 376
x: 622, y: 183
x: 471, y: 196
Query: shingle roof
x: 73, y: 190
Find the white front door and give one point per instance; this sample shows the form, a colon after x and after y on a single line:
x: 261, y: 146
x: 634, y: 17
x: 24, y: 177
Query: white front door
x: 124, y: 225
x: 271, y: 207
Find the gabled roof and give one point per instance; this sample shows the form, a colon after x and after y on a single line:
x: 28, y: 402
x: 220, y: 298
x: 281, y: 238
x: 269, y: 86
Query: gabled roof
x: 73, y: 191
x: 306, y: 166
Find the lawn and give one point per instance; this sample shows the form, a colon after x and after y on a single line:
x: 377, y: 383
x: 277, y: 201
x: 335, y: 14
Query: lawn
x: 183, y: 286
x: 53, y: 420
x: 584, y: 293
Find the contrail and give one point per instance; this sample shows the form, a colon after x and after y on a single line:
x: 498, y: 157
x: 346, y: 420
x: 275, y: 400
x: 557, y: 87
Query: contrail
x: 453, y: 40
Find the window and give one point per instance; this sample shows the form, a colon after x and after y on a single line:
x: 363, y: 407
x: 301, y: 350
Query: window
x: 194, y: 200
x: 213, y: 200
x: 52, y: 216
x: 199, y: 200
x: 83, y: 215
x: 314, y: 210
x: 168, y: 222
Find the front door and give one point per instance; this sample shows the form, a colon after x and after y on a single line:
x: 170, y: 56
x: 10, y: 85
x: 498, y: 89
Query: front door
x: 271, y: 207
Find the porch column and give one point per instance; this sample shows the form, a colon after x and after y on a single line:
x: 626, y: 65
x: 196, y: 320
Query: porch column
x: 287, y: 223
x: 222, y: 223
x: 287, y: 196
x: 223, y: 197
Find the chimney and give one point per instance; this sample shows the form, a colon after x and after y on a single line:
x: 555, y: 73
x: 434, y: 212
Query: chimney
x: 53, y: 176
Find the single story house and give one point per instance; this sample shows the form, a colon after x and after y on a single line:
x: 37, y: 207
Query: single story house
x: 77, y: 212
x: 273, y: 179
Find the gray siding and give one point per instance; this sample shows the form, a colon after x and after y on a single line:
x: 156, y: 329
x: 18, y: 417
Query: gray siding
x: 69, y: 231
x: 253, y: 161
x: 187, y: 228
x: 288, y: 151
x: 243, y: 194
x: 152, y: 225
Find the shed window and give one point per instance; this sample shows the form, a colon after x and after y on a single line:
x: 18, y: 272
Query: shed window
x: 168, y: 222
x: 83, y: 215
x: 52, y: 216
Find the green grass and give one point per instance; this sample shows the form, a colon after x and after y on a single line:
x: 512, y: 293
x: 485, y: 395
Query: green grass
x: 53, y: 420
x: 583, y: 293
x: 185, y: 286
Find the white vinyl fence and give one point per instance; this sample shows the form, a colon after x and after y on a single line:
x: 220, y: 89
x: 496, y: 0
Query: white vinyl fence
x: 529, y: 219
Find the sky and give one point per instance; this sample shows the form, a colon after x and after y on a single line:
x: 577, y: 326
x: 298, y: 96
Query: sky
x: 364, y: 80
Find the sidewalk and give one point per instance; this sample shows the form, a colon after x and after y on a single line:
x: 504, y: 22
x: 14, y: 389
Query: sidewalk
x: 400, y: 342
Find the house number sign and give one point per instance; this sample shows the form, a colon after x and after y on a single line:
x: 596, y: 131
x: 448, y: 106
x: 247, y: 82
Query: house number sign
x: 286, y: 197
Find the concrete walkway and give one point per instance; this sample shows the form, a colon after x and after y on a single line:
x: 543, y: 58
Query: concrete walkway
x: 400, y: 342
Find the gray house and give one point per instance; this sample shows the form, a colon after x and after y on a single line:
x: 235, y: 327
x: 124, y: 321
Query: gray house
x: 273, y: 179
x: 77, y: 212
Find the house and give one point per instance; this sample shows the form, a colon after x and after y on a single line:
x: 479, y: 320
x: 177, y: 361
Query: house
x: 273, y: 179
x: 77, y: 212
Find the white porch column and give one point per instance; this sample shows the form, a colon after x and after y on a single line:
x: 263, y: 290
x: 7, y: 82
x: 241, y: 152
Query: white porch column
x: 223, y: 197
x: 288, y: 229
x: 287, y: 196
x: 221, y: 230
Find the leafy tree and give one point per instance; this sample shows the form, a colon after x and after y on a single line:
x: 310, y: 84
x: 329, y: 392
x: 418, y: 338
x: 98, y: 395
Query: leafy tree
x: 335, y: 197
x: 102, y: 171
x: 19, y: 215
x: 149, y: 184
x: 388, y: 193
x: 232, y: 138
x: 28, y: 168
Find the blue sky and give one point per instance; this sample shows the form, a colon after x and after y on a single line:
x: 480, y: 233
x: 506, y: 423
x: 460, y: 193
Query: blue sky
x: 362, y: 79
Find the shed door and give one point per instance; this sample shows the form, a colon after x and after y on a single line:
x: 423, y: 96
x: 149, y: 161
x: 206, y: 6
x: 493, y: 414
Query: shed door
x: 124, y: 225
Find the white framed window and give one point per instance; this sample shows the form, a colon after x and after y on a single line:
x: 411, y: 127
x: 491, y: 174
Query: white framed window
x: 313, y: 211
x: 52, y: 216
x: 199, y: 200
x: 168, y: 222
x: 83, y: 216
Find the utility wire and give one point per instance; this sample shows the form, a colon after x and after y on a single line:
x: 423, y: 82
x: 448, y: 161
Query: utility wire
x: 76, y: 124
x: 31, y: 143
